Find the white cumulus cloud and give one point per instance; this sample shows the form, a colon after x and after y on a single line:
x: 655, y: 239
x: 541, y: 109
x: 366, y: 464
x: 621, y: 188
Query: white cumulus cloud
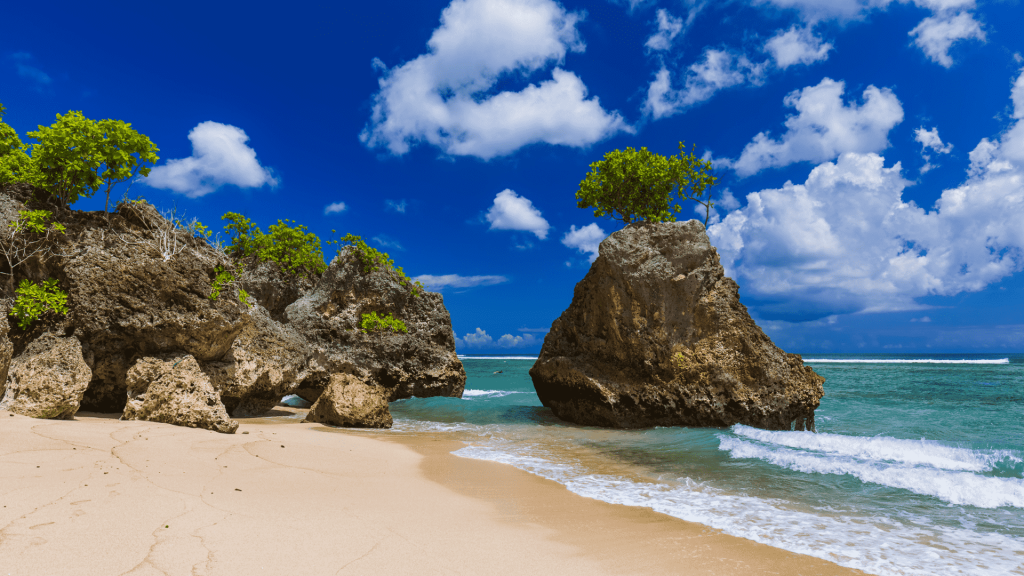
x: 481, y: 339
x: 334, y: 208
x: 717, y: 70
x: 444, y: 97
x: 935, y: 35
x: 587, y: 239
x: 844, y: 10
x: 220, y: 156
x: 511, y: 211
x: 824, y: 127
x: 929, y: 140
x: 455, y: 281
x: 396, y: 206
x: 846, y: 241
x: 668, y: 28
x: 796, y: 46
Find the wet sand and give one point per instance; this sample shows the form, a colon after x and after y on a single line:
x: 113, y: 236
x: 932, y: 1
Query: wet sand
x: 99, y: 496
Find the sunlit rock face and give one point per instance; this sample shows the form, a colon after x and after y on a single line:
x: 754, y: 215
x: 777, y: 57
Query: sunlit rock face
x: 656, y: 336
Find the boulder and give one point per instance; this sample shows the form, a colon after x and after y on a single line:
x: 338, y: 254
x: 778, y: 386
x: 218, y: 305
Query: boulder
x: 173, y: 389
x: 656, y: 336
x: 421, y: 362
x: 48, y: 379
x: 350, y: 402
x: 265, y: 363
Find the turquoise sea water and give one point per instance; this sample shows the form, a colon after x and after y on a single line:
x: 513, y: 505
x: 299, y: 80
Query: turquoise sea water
x: 917, y: 466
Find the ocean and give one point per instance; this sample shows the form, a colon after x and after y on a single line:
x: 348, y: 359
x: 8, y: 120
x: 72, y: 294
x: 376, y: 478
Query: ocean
x: 917, y: 466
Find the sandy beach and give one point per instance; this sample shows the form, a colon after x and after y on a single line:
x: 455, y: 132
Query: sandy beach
x: 99, y: 496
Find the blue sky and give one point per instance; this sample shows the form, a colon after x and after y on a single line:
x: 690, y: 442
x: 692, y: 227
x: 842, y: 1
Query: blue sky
x: 871, y: 152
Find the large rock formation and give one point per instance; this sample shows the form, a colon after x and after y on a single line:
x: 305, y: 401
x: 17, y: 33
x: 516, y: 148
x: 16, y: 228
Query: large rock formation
x: 348, y: 401
x: 173, y: 389
x: 48, y: 379
x: 420, y: 363
x: 139, y: 287
x: 656, y: 336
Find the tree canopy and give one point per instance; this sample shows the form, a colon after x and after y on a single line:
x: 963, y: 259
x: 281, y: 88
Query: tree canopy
x: 76, y: 156
x: 640, y: 185
x: 15, y: 163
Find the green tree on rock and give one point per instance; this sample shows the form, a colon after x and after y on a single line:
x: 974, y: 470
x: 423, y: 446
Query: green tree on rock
x: 639, y: 185
x: 68, y: 158
x: 15, y: 163
x: 124, y: 154
x: 76, y: 156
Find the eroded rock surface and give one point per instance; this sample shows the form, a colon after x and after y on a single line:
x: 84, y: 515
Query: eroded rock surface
x: 350, y: 402
x: 173, y: 389
x: 656, y: 336
x: 6, y: 350
x: 48, y: 379
x: 137, y: 289
x: 419, y: 363
x: 266, y: 362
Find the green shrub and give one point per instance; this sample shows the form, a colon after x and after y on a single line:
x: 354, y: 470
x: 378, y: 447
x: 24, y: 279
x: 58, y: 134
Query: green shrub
x: 224, y: 279
x: 36, y: 221
x: 15, y: 163
x: 34, y: 300
x: 295, y: 249
x: 374, y: 322
x: 374, y: 260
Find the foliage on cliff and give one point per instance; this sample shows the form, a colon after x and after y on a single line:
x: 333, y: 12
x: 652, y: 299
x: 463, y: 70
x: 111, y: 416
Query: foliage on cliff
x: 374, y: 260
x: 296, y: 250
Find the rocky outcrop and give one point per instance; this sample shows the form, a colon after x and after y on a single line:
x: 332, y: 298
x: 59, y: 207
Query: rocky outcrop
x: 173, y: 389
x: 48, y: 379
x: 266, y: 362
x: 421, y: 362
x: 350, y: 402
x: 656, y: 336
x: 139, y: 288
x: 273, y: 288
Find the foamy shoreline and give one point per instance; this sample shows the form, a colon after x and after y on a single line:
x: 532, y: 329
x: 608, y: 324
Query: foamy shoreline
x: 99, y: 496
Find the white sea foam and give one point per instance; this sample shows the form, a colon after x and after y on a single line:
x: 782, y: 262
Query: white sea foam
x: 955, y: 487
x: 489, y: 393
x: 883, y: 448
x: 874, y: 545
x: 901, y: 361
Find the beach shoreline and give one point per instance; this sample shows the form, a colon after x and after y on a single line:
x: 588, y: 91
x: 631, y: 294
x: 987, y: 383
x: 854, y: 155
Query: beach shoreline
x: 100, y: 496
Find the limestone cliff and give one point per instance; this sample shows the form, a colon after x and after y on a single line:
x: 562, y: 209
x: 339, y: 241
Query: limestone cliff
x: 656, y: 336
x: 139, y: 291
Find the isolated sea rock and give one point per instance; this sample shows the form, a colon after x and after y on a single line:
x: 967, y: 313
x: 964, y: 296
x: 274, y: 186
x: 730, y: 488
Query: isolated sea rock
x: 350, y: 402
x: 419, y: 363
x: 656, y: 336
x: 265, y: 363
x: 48, y: 379
x: 173, y: 389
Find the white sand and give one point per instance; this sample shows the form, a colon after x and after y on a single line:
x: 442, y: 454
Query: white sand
x: 99, y: 496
